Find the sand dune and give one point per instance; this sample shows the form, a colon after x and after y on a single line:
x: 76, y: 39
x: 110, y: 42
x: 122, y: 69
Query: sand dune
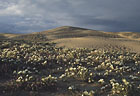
x: 74, y: 37
x: 99, y: 43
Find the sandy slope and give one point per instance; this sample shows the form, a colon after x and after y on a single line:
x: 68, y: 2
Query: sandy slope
x: 74, y: 37
x: 130, y: 35
x: 99, y: 42
x: 10, y: 35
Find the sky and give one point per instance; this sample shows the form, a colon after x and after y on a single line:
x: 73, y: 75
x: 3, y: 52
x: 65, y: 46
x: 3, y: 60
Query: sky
x: 26, y: 16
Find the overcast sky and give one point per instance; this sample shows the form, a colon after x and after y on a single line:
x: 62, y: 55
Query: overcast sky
x: 25, y: 16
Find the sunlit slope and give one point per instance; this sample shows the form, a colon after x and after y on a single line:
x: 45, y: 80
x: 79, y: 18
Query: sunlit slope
x: 130, y: 35
x: 7, y: 36
x: 74, y: 32
x: 75, y: 37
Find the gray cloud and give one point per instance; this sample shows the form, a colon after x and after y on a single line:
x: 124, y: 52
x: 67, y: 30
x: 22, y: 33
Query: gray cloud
x: 38, y: 15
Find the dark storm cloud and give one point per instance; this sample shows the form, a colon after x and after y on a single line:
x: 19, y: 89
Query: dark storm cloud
x: 38, y: 15
x: 6, y: 28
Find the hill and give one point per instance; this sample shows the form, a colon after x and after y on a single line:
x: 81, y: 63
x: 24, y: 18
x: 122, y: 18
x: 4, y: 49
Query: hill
x: 74, y: 32
x: 73, y: 37
x: 90, y: 63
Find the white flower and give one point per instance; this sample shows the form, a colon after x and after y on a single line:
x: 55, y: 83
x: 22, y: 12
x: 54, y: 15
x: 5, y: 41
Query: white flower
x: 125, y: 82
x: 85, y: 93
x: 63, y: 75
x: 71, y: 87
x: 31, y: 77
x: 72, y: 73
x: 70, y: 68
x: 91, y: 74
x: 18, y: 80
x: 19, y: 72
x: 101, y: 81
x: 111, y: 66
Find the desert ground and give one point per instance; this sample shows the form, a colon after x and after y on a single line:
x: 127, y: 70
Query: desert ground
x: 70, y: 61
x: 85, y: 38
x: 74, y: 37
x: 99, y: 43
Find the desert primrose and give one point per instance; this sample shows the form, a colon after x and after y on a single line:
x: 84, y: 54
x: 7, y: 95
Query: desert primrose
x: 41, y: 66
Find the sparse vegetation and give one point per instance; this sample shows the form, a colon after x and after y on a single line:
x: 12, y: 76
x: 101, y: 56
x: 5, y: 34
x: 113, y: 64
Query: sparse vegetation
x: 31, y: 65
x: 1, y: 37
x: 38, y: 68
x: 31, y: 37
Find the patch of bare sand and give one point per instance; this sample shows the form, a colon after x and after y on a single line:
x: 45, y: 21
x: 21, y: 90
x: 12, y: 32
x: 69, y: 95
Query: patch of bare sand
x: 9, y: 35
x: 99, y: 43
x: 129, y: 35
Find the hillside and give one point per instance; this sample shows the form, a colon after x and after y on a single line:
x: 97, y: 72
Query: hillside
x: 7, y: 36
x: 81, y: 62
x: 74, y: 32
x: 75, y: 37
